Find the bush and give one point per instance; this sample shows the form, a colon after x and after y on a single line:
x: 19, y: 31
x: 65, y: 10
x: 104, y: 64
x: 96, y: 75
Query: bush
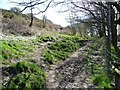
x: 15, y: 9
x: 7, y: 14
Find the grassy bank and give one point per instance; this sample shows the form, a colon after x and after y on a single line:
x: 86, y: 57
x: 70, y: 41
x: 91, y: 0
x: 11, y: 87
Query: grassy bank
x: 62, y: 49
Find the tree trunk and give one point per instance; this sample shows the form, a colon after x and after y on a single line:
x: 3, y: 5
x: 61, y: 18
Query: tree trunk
x: 31, y: 22
x: 113, y: 29
x: 108, y: 42
x: 99, y: 29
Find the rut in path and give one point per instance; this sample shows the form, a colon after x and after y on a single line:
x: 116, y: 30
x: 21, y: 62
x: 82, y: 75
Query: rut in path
x: 71, y: 73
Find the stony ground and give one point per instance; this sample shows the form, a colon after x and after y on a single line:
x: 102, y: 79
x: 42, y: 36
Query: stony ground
x: 70, y: 73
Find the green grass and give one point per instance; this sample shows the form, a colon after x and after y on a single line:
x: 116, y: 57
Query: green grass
x: 11, y: 50
x: 100, y: 77
x: 98, y: 71
x: 62, y: 49
x: 102, y: 81
x: 26, y: 76
x: 44, y: 38
x: 16, y: 49
x: 115, y: 57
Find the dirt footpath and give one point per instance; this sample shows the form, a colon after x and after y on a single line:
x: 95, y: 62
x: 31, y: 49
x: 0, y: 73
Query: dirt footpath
x: 70, y: 73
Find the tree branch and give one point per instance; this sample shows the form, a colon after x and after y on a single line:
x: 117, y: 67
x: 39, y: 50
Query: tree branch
x: 33, y: 5
x: 45, y: 8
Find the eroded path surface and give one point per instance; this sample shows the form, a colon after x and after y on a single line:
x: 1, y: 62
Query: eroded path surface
x: 70, y: 73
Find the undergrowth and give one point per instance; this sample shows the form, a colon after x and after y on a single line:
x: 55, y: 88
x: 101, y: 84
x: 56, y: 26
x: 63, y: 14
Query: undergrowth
x: 61, y: 50
x: 16, y: 49
x: 11, y: 50
x: 45, y: 38
x: 25, y: 76
x: 97, y: 68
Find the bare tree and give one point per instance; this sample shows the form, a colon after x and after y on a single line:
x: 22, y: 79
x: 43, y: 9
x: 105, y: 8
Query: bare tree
x: 44, y: 20
x: 105, y: 16
x: 32, y: 5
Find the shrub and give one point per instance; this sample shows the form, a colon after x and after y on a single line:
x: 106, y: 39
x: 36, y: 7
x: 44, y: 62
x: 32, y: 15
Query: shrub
x: 15, y: 9
x: 7, y: 14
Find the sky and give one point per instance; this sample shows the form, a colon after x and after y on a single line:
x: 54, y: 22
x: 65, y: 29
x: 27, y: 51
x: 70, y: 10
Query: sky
x: 52, y: 13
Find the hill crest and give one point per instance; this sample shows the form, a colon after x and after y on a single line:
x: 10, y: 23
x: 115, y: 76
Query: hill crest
x: 18, y: 24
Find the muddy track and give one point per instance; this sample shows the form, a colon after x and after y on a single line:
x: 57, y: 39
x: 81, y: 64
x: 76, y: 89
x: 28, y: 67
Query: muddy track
x: 70, y: 73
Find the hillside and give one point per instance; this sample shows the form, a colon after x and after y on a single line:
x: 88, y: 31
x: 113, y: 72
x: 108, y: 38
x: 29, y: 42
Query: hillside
x: 18, y: 24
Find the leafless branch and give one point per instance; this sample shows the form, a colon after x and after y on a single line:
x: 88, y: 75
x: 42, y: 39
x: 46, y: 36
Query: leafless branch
x: 45, y: 8
x: 37, y: 3
x: 85, y: 9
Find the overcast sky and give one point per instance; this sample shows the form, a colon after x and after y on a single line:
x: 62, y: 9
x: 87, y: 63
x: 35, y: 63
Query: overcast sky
x: 52, y: 13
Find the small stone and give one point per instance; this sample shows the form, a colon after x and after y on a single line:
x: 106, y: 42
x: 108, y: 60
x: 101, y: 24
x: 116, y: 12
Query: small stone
x: 43, y: 65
